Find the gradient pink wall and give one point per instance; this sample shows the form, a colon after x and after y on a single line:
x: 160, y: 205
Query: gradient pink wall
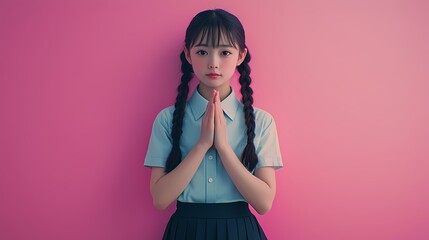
x: 82, y: 81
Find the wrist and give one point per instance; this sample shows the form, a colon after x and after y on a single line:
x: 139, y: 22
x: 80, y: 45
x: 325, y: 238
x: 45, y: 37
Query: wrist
x: 223, y: 148
x: 202, y: 146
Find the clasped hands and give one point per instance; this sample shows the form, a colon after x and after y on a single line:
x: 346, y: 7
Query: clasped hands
x: 213, y: 124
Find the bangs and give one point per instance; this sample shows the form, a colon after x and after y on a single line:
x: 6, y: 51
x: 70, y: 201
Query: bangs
x: 214, y: 35
x: 215, y: 28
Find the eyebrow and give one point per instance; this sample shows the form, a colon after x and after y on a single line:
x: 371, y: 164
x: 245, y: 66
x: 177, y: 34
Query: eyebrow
x: 206, y: 45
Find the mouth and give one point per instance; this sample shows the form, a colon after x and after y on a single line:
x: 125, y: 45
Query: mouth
x: 213, y: 75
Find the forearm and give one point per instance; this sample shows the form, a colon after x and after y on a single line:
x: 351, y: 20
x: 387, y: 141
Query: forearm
x: 258, y: 193
x: 166, y: 188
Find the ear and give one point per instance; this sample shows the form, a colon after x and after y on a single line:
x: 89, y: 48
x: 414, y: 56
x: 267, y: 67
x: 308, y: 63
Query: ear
x: 187, y: 55
x: 241, y: 57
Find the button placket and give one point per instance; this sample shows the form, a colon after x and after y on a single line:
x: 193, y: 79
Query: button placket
x: 211, y: 175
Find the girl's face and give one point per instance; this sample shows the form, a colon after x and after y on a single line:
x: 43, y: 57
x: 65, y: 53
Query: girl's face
x: 214, y: 66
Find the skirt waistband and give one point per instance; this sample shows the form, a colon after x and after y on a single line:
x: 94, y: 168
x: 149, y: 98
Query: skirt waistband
x: 212, y: 210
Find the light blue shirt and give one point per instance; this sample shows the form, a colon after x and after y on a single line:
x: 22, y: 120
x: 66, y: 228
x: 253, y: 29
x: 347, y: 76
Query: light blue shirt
x: 211, y: 183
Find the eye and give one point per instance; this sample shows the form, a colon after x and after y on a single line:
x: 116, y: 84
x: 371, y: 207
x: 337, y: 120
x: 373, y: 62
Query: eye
x: 202, y: 52
x: 226, y: 53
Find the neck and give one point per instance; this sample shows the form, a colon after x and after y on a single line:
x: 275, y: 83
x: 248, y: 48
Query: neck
x: 205, y: 91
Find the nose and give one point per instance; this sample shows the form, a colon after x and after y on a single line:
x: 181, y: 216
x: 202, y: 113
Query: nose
x: 213, y: 62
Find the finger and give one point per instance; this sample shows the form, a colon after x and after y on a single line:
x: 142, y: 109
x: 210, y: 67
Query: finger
x: 209, y: 104
x: 215, y: 113
x: 220, y: 116
x: 219, y: 106
x: 207, y: 112
x: 210, y: 110
x: 209, y: 107
x: 219, y: 112
x: 213, y: 96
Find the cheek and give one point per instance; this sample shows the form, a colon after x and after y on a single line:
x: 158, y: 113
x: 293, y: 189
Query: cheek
x: 231, y: 62
x: 230, y: 65
x: 198, y: 63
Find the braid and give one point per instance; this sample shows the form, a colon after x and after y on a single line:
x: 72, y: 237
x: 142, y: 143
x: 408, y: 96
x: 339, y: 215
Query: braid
x: 249, y: 157
x: 175, y: 155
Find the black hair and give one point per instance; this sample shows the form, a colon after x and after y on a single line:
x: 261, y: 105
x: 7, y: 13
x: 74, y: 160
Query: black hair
x: 212, y: 24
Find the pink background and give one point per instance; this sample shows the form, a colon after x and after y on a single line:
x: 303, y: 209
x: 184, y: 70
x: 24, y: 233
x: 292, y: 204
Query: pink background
x: 81, y: 83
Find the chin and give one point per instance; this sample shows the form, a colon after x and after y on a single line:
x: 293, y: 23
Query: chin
x: 217, y: 86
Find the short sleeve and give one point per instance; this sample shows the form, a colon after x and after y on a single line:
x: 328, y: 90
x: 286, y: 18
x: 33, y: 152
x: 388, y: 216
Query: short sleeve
x: 268, y: 149
x: 160, y: 142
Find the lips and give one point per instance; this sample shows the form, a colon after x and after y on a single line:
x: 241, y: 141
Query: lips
x: 213, y: 75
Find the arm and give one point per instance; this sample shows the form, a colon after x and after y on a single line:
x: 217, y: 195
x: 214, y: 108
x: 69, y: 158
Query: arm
x: 166, y: 187
x: 259, y: 189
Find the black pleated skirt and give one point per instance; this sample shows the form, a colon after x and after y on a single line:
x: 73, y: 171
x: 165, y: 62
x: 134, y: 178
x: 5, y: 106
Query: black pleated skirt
x: 206, y: 221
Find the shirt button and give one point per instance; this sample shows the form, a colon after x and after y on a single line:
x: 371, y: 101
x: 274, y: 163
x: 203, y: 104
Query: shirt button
x: 211, y: 180
x: 210, y: 157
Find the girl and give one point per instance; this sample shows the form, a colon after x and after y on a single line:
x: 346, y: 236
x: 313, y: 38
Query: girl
x: 213, y: 153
